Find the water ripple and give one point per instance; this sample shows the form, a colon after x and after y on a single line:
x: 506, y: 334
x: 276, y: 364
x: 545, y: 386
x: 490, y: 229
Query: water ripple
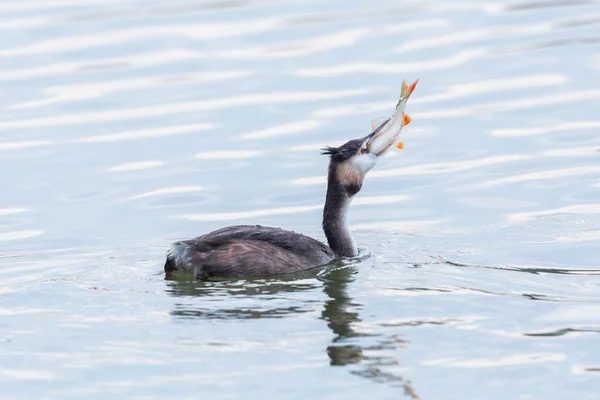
x: 95, y: 90
x: 135, y: 60
x: 180, y: 107
x: 207, y: 31
x: 565, y: 126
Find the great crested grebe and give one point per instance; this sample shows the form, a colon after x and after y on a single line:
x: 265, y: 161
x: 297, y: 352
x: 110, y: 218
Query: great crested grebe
x: 255, y: 250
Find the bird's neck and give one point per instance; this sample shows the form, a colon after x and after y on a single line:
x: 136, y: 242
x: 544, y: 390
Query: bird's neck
x: 335, y: 224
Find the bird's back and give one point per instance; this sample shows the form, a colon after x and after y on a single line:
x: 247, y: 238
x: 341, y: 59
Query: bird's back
x: 247, y: 250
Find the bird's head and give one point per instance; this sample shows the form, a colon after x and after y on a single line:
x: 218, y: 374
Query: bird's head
x: 350, y: 162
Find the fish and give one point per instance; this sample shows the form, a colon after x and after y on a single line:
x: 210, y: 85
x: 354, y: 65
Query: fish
x: 386, y: 130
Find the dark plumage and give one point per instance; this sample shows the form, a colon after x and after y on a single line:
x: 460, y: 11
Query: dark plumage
x: 254, y: 250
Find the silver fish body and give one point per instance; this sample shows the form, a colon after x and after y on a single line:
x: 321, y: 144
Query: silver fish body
x: 389, y: 129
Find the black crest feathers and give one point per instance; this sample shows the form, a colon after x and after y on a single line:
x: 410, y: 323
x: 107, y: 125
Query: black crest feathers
x: 329, y: 151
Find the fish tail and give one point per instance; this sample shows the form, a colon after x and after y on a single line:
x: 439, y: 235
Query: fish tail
x: 406, y: 90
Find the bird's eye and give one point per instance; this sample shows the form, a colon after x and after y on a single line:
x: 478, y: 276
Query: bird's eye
x: 363, y: 150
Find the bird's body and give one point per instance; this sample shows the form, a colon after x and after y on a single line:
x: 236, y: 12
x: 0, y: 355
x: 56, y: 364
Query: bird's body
x: 251, y: 250
x: 254, y: 250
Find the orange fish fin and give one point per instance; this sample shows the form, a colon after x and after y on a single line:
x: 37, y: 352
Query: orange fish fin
x: 400, y: 145
x: 406, y: 119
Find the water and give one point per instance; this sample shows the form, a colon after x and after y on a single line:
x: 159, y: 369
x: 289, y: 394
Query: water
x: 126, y: 125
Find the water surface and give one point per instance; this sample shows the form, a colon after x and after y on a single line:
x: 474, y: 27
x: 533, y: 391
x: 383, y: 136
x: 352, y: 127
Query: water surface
x: 126, y: 125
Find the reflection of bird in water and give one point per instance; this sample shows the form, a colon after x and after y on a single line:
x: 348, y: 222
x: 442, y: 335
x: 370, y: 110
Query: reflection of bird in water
x: 212, y: 294
x: 340, y: 318
x: 254, y: 250
x: 341, y: 313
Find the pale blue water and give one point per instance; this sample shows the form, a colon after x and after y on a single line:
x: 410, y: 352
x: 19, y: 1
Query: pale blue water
x: 126, y: 125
